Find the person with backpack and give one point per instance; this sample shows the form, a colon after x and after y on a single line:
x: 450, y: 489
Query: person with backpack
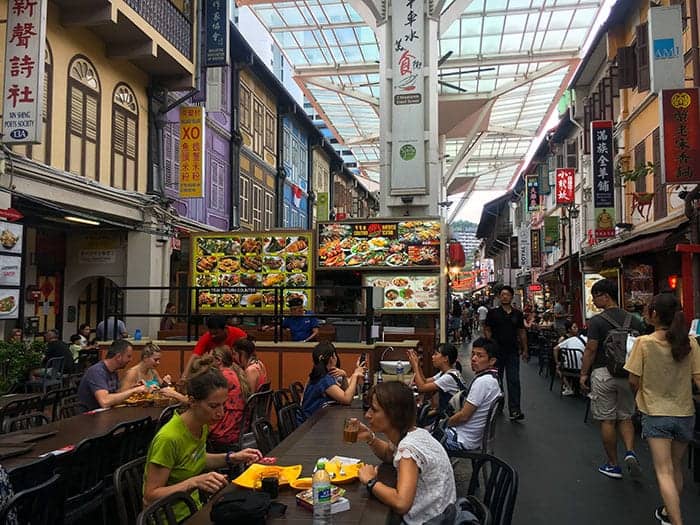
x: 612, y: 400
x: 465, y: 429
x: 662, y: 367
x: 447, y: 382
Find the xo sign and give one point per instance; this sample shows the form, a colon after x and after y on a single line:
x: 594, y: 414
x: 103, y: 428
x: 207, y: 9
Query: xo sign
x: 191, y: 132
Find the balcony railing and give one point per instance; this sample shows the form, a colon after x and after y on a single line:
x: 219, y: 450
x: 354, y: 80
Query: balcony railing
x: 168, y: 20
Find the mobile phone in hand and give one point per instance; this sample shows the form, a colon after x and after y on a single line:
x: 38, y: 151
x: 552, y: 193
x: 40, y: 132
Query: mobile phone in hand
x: 363, y: 359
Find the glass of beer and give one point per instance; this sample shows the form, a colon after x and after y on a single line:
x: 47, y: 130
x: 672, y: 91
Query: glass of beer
x: 351, y: 429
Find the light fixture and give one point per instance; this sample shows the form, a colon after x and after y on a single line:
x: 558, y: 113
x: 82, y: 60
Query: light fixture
x: 81, y: 220
x: 673, y: 281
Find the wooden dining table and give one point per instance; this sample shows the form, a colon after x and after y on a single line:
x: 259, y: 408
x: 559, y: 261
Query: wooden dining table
x: 69, y: 431
x: 322, y: 436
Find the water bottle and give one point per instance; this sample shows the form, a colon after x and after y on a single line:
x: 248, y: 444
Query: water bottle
x: 399, y: 370
x: 380, y: 379
x: 321, y: 487
x: 137, y: 334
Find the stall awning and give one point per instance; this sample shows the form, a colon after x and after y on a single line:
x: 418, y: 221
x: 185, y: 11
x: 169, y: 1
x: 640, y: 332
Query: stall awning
x: 550, y: 272
x: 647, y: 244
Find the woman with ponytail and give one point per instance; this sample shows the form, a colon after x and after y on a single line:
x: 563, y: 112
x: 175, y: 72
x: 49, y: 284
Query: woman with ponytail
x: 425, y: 486
x: 662, y: 367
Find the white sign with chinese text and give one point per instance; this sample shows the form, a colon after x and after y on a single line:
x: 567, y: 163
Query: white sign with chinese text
x: 408, y: 170
x: 23, y: 95
x: 97, y: 256
x: 666, y: 64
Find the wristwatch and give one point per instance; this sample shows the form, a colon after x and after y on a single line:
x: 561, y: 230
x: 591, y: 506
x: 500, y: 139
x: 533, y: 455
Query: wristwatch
x: 228, y: 458
x: 370, y: 485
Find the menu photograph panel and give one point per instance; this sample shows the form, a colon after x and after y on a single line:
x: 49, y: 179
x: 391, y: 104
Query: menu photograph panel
x: 408, y: 291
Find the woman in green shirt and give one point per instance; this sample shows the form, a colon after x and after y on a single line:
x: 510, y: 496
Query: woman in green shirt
x: 177, y: 458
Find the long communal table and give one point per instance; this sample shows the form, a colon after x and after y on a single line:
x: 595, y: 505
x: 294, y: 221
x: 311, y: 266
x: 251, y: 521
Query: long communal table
x: 322, y: 435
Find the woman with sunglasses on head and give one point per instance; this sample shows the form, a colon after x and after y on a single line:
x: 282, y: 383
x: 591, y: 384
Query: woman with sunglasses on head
x: 425, y: 485
x: 662, y: 367
x: 323, y: 386
x: 145, y: 373
x: 177, y: 459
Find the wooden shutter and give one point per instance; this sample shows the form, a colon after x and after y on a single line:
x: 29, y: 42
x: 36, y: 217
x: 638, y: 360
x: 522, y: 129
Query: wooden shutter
x: 627, y: 67
x: 643, y: 79
x: 660, y: 204
x: 640, y: 185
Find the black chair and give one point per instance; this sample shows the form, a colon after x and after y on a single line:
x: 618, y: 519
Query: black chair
x: 500, y: 488
x: 130, y: 440
x: 19, y: 407
x: 30, y: 474
x: 161, y: 512
x: 297, y: 389
x: 23, y: 422
x: 38, y: 505
x: 489, y: 438
x: 288, y: 420
x: 70, y: 406
x: 570, y: 360
x: 281, y: 398
x: 166, y: 415
x: 52, y: 400
x: 258, y: 406
x: 265, y: 436
x: 128, y: 485
x: 52, y: 377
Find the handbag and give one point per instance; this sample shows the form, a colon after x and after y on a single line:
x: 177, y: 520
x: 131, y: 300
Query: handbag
x: 242, y: 507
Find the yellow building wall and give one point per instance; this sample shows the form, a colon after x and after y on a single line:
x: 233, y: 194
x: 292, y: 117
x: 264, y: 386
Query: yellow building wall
x: 259, y: 90
x: 65, y: 43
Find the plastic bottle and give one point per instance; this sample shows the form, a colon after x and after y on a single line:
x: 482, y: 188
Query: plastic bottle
x: 379, y: 376
x: 321, y: 486
x: 399, y: 371
x: 137, y: 334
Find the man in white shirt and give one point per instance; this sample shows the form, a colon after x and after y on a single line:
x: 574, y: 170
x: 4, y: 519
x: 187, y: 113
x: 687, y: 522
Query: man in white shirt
x: 466, y: 428
x: 446, y: 382
x: 483, y: 312
x: 572, y: 341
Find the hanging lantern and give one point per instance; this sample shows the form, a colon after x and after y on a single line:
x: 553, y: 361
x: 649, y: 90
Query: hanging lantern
x: 455, y: 254
x: 673, y: 281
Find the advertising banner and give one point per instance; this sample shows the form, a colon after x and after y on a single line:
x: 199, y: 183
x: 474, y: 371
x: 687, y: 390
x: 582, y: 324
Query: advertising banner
x: 666, y: 68
x: 603, y: 178
x: 680, y: 136
x: 408, y: 170
x: 383, y: 244
x: 322, y: 206
x: 533, y: 193
x: 25, y: 48
x: 514, y: 254
x: 408, y: 291
x: 238, y: 272
x: 535, y: 248
x: 218, y: 38
x: 565, y: 186
x: 524, y: 244
x: 551, y: 230
x: 191, y: 151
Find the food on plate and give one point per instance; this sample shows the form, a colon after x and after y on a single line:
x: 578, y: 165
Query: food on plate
x: 251, y: 245
x: 298, y: 279
x: 251, y: 262
x: 376, y: 258
x: 429, y: 283
x: 297, y: 262
x: 233, y: 247
x: 275, y: 244
x: 399, y: 304
x: 378, y: 243
x: 206, y: 299
x: 297, y: 246
x: 391, y: 294
x: 396, y: 247
x: 397, y: 259
x: 8, y: 239
x: 229, y: 299
x: 227, y: 280
x: 419, y: 231
x: 295, y: 295
x: 269, y: 297
x: 273, y: 263
x: 7, y: 304
x: 206, y: 263
x: 332, y: 232
x: 207, y: 280
x: 347, y: 243
x: 250, y: 279
x: 381, y: 283
x: 330, y: 255
x: 423, y: 255
x: 273, y: 279
x: 354, y: 260
x: 422, y: 304
x: 229, y: 264
x: 406, y: 293
x: 399, y: 281
x: 360, y: 247
x: 255, y: 299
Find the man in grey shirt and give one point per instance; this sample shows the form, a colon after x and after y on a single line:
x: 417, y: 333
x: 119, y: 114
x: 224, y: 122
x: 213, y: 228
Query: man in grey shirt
x: 114, y: 329
x: 99, y: 387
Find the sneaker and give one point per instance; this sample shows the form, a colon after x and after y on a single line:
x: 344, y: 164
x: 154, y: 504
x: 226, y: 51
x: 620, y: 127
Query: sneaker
x: 611, y: 471
x: 633, y: 467
x: 567, y: 392
x: 660, y: 514
x: 517, y: 415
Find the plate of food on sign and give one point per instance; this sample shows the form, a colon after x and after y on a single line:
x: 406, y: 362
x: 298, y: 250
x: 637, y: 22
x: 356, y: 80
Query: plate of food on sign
x: 296, y: 245
x: 251, y: 245
x: 274, y: 244
x: 397, y: 259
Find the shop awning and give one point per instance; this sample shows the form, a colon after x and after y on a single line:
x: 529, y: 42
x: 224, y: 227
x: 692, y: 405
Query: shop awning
x: 550, y: 272
x: 651, y: 243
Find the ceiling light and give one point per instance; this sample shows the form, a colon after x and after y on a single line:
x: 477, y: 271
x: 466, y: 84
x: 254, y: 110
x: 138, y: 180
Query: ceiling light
x: 81, y: 220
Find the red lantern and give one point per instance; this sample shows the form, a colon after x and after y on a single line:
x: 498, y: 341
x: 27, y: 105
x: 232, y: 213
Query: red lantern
x: 455, y: 254
x: 673, y: 281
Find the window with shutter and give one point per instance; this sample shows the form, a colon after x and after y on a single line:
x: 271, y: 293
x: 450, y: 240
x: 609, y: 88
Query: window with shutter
x: 124, y: 139
x: 660, y: 203
x: 217, y: 189
x: 269, y: 210
x: 640, y: 158
x: 214, y: 78
x: 270, y: 131
x: 258, y: 126
x: 244, y: 189
x: 256, y: 219
x: 642, y: 56
x: 245, y: 96
x: 83, y: 126
x: 627, y: 67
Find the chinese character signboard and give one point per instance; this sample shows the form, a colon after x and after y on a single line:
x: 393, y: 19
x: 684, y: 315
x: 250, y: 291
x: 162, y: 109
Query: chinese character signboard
x: 216, y: 53
x: 514, y: 257
x: 565, y: 186
x: 666, y: 68
x: 239, y: 272
x: 408, y: 171
x: 680, y: 136
x: 25, y: 46
x: 533, y: 193
x: 603, y: 178
x: 191, y: 151
x: 551, y: 231
x: 535, y: 249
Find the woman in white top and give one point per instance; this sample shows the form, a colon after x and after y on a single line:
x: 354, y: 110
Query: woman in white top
x: 571, y: 340
x: 425, y: 484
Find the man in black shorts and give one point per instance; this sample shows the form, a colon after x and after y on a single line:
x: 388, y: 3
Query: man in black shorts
x: 506, y: 326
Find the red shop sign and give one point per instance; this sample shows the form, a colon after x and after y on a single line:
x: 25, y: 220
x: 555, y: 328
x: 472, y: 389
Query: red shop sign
x: 535, y: 287
x: 681, y: 135
x: 565, y: 186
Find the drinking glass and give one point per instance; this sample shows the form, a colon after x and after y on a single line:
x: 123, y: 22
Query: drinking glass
x: 351, y: 429
x: 270, y: 482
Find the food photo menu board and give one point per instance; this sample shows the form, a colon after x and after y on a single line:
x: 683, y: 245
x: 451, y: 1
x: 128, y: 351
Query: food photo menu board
x: 10, y: 268
x: 238, y: 272
x: 408, y: 291
x: 385, y: 244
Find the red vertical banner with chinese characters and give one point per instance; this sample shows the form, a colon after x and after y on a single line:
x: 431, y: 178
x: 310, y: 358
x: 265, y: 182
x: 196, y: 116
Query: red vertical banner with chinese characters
x: 565, y: 186
x: 681, y: 135
x: 191, y: 151
x: 25, y: 45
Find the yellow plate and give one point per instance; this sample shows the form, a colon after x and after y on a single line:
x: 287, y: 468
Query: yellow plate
x: 250, y: 478
x: 350, y: 472
x: 301, y: 483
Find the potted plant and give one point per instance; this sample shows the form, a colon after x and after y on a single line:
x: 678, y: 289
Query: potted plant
x: 16, y: 360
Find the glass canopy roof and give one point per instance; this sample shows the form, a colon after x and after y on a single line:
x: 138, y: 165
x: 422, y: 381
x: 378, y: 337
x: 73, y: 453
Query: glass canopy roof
x: 520, y: 52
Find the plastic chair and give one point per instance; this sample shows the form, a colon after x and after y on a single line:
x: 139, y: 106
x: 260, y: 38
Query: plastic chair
x: 500, y: 488
x: 130, y: 440
x: 297, y: 389
x: 281, y: 398
x: 30, y: 474
x: 52, y: 378
x: 52, y: 399
x: 265, y: 436
x: 489, y: 437
x: 288, y: 420
x: 570, y: 360
x: 24, y: 422
x: 166, y: 415
x: 161, y: 511
x: 38, y: 505
x: 128, y: 485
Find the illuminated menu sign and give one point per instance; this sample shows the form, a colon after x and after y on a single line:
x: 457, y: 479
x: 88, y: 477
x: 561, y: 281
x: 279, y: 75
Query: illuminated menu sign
x: 408, y: 291
x: 379, y: 244
x: 239, y: 272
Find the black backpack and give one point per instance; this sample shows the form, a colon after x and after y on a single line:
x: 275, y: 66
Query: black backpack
x: 615, y: 344
x: 241, y: 507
